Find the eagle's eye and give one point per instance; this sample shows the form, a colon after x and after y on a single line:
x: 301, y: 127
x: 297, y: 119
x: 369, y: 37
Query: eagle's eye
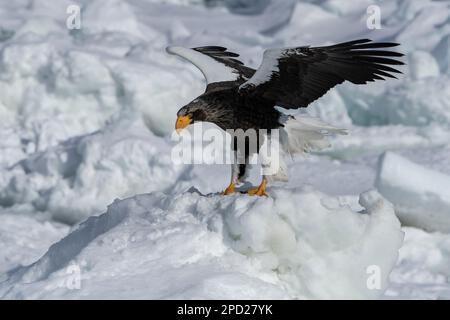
x: 182, y: 112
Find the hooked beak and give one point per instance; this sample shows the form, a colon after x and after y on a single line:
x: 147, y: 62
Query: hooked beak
x: 182, y: 122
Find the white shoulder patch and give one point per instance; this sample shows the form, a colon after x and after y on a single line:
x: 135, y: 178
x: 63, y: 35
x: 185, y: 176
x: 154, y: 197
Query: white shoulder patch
x: 269, y: 66
x: 213, y: 70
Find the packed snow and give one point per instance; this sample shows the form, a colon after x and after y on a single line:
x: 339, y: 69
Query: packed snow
x: 221, y: 247
x: 87, y: 116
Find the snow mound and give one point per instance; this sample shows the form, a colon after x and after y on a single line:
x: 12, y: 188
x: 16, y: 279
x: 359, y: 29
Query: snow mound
x: 294, y: 244
x: 422, y: 270
x: 420, y: 195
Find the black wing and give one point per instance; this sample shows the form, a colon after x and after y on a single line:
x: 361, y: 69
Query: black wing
x: 295, y: 77
x: 228, y: 58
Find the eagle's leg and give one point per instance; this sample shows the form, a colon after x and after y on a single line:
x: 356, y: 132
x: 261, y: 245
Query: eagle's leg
x: 230, y: 189
x: 260, y: 190
x: 234, y: 179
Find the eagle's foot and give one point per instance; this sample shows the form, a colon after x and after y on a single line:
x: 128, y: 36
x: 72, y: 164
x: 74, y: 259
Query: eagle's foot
x: 259, y: 191
x: 229, y: 190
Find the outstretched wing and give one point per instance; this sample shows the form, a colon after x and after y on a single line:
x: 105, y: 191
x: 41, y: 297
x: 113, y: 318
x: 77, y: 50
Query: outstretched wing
x: 219, y: 66
x: 295, y: 77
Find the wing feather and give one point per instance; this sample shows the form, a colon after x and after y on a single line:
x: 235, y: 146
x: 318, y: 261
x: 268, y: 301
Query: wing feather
x: 218, y: 65
x: 295, y: 77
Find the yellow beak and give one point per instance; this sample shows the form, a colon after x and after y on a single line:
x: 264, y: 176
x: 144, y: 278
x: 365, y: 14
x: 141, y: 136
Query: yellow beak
x: 182, y: 122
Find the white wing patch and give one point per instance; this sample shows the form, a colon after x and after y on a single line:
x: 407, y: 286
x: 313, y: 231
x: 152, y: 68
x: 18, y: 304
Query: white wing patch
x: 269, y: 65
x: 213, y: 70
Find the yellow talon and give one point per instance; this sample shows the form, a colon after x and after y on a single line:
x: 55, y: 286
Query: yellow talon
x: 259, y: 191
x: 229, y: 190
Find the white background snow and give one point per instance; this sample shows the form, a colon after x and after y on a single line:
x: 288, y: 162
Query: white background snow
x: 87, y: 116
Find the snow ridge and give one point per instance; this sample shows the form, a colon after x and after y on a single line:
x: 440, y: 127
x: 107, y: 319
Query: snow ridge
x: 296, y: 244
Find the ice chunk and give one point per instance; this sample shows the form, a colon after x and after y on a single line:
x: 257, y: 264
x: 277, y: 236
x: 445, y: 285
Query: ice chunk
x: 412, y: 103
x: 442, y: 53
x: 422, y: 270
x: 422, y: 65
x: 331, y: 108
x: 421, y: 196
x: 294, y: 244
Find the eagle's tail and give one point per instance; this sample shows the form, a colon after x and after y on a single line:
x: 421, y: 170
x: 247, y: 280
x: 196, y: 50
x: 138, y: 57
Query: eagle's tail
x: 303, y: 134
x: 298, y: 135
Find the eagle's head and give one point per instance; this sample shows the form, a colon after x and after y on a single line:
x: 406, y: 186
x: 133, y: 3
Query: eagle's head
x: 192, y: 112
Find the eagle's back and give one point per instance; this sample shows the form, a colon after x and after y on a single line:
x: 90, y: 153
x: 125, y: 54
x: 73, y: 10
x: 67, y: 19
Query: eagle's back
x: 242, y: 111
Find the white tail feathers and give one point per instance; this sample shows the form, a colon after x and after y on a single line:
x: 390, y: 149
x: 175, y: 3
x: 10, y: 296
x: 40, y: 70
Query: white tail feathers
x: 304, y: 134
x: 299, y: 135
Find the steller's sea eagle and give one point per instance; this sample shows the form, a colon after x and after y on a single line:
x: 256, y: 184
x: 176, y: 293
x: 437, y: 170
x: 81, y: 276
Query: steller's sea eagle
x: 239, y: 97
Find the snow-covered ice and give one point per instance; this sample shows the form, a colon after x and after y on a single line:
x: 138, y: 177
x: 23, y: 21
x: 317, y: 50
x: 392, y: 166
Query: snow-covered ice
x: 89, y: 171
x: 221, y: 247
x: 422, y: 270
x: 421, y: 196
x: 24, y: 240
x: 86, y: 117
